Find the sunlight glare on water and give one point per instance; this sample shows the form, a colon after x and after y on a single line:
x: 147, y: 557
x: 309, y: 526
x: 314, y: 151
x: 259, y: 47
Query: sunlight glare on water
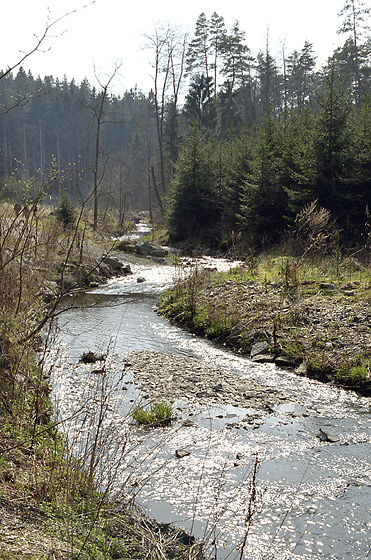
x: 313, y: 498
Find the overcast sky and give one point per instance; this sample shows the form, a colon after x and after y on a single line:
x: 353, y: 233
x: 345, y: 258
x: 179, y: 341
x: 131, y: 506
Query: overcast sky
x: 108, y: 32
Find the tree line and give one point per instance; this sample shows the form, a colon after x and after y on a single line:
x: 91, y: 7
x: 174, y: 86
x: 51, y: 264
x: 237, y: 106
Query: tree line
x: 241, y: 141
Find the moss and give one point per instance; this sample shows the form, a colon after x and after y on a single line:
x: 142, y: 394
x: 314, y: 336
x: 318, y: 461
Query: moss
x: 319, y: 369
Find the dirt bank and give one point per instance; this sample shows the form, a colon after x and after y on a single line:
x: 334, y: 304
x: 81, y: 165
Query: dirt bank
x: 320, y: 329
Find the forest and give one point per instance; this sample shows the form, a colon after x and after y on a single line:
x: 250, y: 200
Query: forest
x: 226, y: 146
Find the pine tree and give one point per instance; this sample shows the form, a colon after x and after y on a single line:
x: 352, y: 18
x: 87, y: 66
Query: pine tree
x: 199, y: 104
x: 236, y: 65
x: 301, y: 79
x: 264, y: 200
x: 269, y: 81
x: 355, y: 16
x: 194, y: 208
x: 217, y: 37
x: 198, y: 55
x: 333, y: 148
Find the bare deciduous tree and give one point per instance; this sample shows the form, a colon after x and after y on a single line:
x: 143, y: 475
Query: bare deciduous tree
x: 169, y: 46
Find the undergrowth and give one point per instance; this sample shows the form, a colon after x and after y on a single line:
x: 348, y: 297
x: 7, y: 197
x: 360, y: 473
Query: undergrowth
x: 56, y: 496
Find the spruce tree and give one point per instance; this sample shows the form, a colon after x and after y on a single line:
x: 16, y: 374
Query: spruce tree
x: 333, y: 149
x: 194, y: 207
x: 264, y: 200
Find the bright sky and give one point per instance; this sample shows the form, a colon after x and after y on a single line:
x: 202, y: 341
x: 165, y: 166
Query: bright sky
x: 107, y: 32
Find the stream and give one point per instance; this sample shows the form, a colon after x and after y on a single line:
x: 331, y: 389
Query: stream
x: 311, y: 498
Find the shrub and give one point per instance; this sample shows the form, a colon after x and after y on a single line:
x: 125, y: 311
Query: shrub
x: 65, y: 212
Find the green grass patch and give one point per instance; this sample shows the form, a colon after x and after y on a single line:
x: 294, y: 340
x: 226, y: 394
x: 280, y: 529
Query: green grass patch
x: 157, y: 413
x: 355, y: 373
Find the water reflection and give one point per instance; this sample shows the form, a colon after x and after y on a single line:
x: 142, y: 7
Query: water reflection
x: 313, y: 497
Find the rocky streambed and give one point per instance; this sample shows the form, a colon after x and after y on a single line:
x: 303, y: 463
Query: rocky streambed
x: 311, y: 439
x: 167, y: 377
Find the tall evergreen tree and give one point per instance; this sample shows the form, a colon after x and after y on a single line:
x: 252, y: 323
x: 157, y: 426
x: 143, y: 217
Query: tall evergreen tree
x: 269, y: 81
x: 301, y: 79
x: 333, y: 148
x: 217, y: 33
x: 195, y: 209
x: 236, y: 60
x: 198, y: 54
x: 265, y: 201
x: 199, y: 104
x: 355, y: 15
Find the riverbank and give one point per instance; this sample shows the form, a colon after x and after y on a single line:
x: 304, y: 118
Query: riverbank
x: 205, y: 455
x: 45, y: 507
x: 50, y: 504
x: 312, y: 321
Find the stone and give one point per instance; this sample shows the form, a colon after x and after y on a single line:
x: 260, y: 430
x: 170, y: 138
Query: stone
x: 140, y: 280
x: 188, y: 423
x: 327, y: 286
x: 180, y: 453
x: 126, y: 246
x: 104, y: 270
x: 218, y: 387
x: 145, y: 248
x: 284, y: 361
x: 302, y: 369
x: 235, y: 335
x: 263, y: 358
x: 113, y: 262
x: 325, y: 436
x: 159, y: 253
x: 259, y: 348
x: 91, y: 358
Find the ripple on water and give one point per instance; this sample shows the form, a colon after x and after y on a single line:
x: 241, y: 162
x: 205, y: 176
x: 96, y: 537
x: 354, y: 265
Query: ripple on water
x: 312, y: 497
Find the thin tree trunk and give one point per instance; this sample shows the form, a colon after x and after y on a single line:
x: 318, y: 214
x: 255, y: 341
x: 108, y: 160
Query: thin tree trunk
x: 158, y: 196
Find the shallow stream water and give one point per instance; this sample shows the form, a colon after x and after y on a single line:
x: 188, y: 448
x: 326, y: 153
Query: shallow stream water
x: 311, y: 499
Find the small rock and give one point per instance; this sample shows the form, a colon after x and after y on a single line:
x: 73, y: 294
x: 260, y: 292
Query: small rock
x: 159, y: 253
x: 188, y: 423
x: 144, y: 249
x: 140, y: 279
x: 218, y: 387
x: 202, y: 394
x: 259, y: 348
x: 302, y: 369
x: 263, y: 359
x: 284, y: 361
x: 180, y: 453
x: 114, y: 263
x: 90, y: 357
x: 354, y: 482
x: 324, y: 436
x: 126, y: 246
x: 327, y: 286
